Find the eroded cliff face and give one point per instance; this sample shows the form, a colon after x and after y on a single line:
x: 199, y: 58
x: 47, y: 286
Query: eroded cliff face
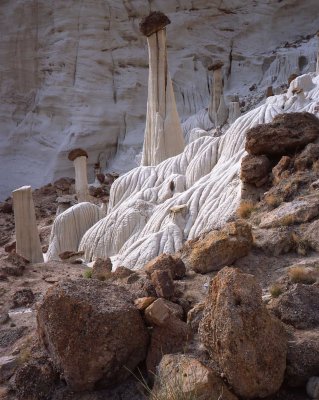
x: 74, y: 73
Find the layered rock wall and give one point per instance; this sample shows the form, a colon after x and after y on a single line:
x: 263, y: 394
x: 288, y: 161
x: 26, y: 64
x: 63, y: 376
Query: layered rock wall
x: 74, y: 73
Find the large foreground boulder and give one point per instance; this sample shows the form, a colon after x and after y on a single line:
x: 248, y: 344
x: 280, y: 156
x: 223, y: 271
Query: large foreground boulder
x: 246, y: 342
x: 219, y: 248
x: 93, y: 332
x: 183, y: 377
x: 287, y: 134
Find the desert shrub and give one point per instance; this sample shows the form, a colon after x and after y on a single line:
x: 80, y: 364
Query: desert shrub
x: 275, y: 290
x: 273, y: 200
x: 302, y: 275
x: 87, y: 273
x: 245, y: 209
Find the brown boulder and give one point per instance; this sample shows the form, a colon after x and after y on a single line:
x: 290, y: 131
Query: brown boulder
x: 101, y: 269
x: 36, y: 380
x: 299, y: 306
x: 255, y: 169
x: 287, y: 134
x: 248, y: 345
x: 302, y: 357
x: 163, y: 283
x: 161, y: 310
x: 166, y: 262
x: 93, y: 332
x: 219, y: 248
x: 184, y: 377
x: 171, y: 337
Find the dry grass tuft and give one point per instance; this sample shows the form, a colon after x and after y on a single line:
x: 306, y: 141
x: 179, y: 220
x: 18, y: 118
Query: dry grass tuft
x: 302, y: 275
x: 272, y: 200
x: 88, y: 273
x: 275, y: 290
x: 288, y: 220
x: 245, y: 209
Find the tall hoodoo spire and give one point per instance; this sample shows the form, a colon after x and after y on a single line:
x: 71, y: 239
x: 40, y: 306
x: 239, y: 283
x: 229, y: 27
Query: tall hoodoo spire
x: 217, y: 110
x: 163, y: 132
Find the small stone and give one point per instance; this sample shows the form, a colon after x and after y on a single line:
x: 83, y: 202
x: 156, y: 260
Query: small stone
x: 160, y: 310
x: 143, y: 302
x: 122, y: 272
x: 8, y: 364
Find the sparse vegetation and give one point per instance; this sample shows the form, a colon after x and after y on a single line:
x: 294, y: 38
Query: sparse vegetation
x: 288, y: 220
x: 88, y: 273
x: 302, y: 275
x: 245, y: 209
x: 275, y: 290
x: 272, y: 200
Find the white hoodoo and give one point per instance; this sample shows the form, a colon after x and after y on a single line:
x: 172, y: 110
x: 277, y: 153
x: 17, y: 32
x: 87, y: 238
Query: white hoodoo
x: 163, y: 132
x: 79, y: 157
x: 27, y: 236
x: 217, y: 110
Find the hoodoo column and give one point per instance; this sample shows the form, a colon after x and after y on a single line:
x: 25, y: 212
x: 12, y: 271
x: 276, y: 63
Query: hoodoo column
x: 27, y: 236
x: 163, y: 132
x: 79, y: 158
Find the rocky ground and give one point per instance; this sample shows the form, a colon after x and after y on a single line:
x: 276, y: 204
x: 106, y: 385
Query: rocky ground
x: 70, y: 332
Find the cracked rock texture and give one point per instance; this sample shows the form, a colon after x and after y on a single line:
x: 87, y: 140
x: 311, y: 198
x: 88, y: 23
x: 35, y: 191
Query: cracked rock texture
x: 74, y: 73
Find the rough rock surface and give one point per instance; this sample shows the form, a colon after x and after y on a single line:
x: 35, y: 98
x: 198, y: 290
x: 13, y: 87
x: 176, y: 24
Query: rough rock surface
x: 286, y: 134
x: 255, y: 169
x: 36, y: 380
x: 302, y: 357
x: 181, y: 376
x: 241, y: 337
x: 106, y: 322
x: 166, y: 262
x: 311, y: 235
x: 51, y: 103
x: 297, y: 211
x: 218, y: 248
x: 160, y: 310
x: 299, y: 306
x: 101, y: 269
x: 274, y: 241
x: 172, y: 337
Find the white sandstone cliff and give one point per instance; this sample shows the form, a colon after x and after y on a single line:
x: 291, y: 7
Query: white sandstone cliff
x: 74, y: 73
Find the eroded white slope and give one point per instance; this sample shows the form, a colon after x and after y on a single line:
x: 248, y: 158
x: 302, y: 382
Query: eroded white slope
x: 144, y: 220
x: 70, y: 226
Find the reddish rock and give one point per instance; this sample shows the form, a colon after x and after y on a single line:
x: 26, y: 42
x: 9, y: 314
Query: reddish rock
x: 308, y: 156
x: 163, y: 283
x: 93, y: 332
x: 101, y: 269
x: 184, y: 377
x: 287, y: 134
x: 122, y: 272
x: 143, y: 302
x: 172, y: 337
x: 246, y: 342
x: 255, y: 170
x: 166, y: 262
x: 280, y: 168
x: 161, y: 310
x: 219, y: 248
x: 10, y: 247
